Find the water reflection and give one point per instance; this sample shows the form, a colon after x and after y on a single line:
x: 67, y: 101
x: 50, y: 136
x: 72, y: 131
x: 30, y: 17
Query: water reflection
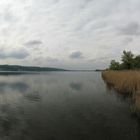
x: 35, y: 97
x: 41, y: 107
x: 121, y: 96
x: 76, y: 85
x: 20, y: 86
x: 134, y: 99
x: 135, y: 106
x: 12, y: 123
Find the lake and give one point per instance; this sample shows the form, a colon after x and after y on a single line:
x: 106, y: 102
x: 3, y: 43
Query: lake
x: 63, y: 106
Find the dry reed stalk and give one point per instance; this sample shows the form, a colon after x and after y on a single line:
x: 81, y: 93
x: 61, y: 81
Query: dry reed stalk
x: 125, y: 82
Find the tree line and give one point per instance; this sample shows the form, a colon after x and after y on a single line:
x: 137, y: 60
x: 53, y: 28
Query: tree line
x: 128, y: 61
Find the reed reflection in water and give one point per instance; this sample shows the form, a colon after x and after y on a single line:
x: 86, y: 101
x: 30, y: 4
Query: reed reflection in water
x: 63, y: 106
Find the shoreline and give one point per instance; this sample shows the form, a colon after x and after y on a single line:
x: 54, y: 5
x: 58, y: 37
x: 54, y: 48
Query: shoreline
x: 126, y: 83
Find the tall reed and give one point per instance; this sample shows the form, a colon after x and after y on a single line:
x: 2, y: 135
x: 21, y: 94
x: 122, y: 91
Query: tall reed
x: 125, y: 82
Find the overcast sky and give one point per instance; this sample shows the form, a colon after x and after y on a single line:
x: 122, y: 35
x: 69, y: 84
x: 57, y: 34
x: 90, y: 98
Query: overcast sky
x: 71, y: 34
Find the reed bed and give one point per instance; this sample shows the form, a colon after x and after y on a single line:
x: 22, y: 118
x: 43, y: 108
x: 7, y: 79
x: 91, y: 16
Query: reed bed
x: 126, y: 83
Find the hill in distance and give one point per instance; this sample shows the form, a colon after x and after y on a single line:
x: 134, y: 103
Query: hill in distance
x: 28, y: 68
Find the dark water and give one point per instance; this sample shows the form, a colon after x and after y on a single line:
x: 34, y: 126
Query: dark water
x: 63, y: 106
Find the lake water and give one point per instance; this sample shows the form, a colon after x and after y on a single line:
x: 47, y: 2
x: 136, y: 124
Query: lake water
x: 63, y: 106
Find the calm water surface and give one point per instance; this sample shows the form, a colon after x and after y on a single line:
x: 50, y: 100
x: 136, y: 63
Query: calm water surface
x: 63, y: 106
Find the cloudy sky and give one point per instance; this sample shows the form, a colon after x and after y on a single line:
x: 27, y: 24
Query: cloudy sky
x: 71, y: 34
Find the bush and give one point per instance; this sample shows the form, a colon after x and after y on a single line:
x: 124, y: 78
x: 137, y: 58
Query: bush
x: 128, y: 62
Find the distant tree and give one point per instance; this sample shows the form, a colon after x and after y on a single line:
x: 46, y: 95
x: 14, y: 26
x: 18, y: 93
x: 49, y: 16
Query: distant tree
x: 137, y: 62
x: 128, y: 60
x: 114, y: 65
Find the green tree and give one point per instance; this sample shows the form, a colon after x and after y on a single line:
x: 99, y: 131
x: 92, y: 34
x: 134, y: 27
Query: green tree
x: 137, y: 62
x: 114, y: 65
x: 128, y: 60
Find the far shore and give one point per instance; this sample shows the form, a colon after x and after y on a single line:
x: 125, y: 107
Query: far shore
x: 40, y: 72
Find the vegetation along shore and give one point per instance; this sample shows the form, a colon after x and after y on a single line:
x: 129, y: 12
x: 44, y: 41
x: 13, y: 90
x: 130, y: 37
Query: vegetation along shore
x: 125, y: 77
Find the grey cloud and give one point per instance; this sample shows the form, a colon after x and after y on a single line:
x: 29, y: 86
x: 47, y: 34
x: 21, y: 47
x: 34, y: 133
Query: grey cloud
x: 130, y: 29
x: 127, y: 40
x: 33, y: 43
x: 56, y: 1
x: 85, y: 3
x: 76, y: 55
x: 84, y: 24
x: 50, y: 59
x: 17, y: 54
x: 9, y: 16
x: 99, y: 59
